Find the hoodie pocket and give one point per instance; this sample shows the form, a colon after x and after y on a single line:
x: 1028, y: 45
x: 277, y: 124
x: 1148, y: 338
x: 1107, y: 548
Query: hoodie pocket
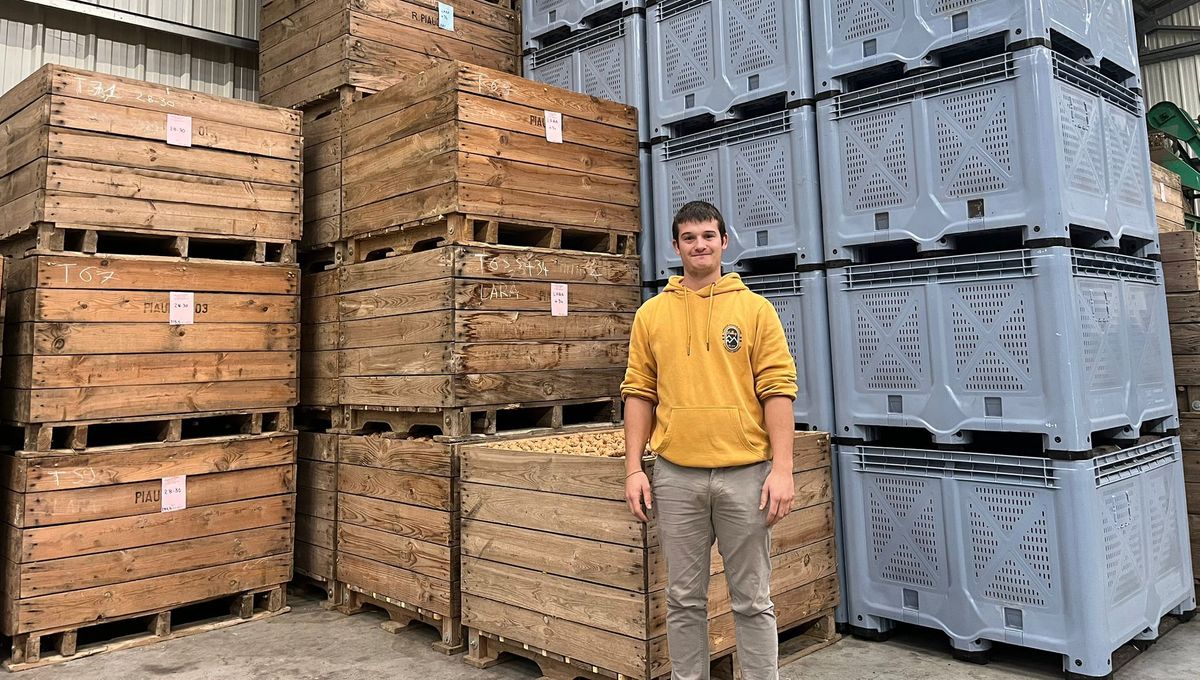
x: 715, y: 429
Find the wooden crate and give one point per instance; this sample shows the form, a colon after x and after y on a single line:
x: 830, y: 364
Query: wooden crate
x: 397, y: 531
x: 316, y: 509
x: 472, y: 325
x: 309, y: 50
x: 1189, y: 440
x: 552, y: 558
x: 1181, y: 261
x: 88, y: 339
x: 470, y: 140
x: 319, y: 330
x: 322, y: 175
x: 89, y: 149
x: 1168, y: 199
x: 89, y: 543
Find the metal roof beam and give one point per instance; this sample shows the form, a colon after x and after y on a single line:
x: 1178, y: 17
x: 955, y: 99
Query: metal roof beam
x: 143, y: 21
x: 1186, y: 49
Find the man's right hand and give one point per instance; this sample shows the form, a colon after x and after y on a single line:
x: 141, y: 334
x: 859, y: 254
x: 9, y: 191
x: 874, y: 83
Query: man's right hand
x: 637, y: 492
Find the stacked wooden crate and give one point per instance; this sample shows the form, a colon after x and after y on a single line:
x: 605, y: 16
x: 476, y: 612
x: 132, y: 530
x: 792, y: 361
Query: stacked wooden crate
x: 150, y: 357
x: 311, y: 49
x: 1168, y: 199
x: 487, y: 280
x: 556, y: 569
x: 1181, y: 275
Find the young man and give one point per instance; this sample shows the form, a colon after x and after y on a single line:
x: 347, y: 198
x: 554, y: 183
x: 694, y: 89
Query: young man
x: 710, y: 384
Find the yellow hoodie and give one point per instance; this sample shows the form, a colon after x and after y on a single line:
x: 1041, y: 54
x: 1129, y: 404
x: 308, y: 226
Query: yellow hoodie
x: 707, y: 359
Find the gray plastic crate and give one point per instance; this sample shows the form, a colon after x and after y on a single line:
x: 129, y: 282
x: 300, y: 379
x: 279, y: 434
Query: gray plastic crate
x: 1071, y: 557
x: 539, y: 17
x: 800, y: 299
x: 860, y: 35
x: 1069, y: 344
x: 708, y: 56
x: 646, y: 245
x: 761, y: 173
x: 1028, y: 140
x: 608, y: 62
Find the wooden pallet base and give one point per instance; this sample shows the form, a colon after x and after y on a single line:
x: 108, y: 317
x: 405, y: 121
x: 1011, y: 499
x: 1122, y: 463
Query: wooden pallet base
x: 460, y: 228
x: 333, y: 592
x: 165, y: 624
x: 402, y: 616
x: 53, y: 239
x: 321, y: 418
x: 485, y: 650
x: 83, y: 435
x: 480, y: 421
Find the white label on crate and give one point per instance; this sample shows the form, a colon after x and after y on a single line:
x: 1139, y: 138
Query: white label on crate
x: 445, y: 17
x: 179, y: 130
x: 183, y: 309
x: 174, y: 493
x: 554, y: 127
x: 1162, y: 191
x: 558, y: 299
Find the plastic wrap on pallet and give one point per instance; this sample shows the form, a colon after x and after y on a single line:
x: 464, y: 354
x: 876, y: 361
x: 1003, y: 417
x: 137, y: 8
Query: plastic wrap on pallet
x: 608, y: 62
x: 1072, y: 557
x: 761, y: 173
x: 1031, y: 141
x: 1058, y: 342
x: 859, y: 35
x: 707, y: 56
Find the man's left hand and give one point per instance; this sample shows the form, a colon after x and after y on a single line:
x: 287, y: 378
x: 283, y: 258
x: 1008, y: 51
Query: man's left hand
x: 777, y: 494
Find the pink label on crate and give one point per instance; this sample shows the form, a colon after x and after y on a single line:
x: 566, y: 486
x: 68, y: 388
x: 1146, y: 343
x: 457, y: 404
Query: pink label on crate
x: 558, y: 299
x: 179, y: 130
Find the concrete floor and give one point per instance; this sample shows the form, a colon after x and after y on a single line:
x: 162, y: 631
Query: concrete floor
x: 310, y: 643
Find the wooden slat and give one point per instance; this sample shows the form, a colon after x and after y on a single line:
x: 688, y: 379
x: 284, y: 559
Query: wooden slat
x: 55, y: 338
x: 152, y: 306
x: 318, y: 531
x: 399, y: 584
x: 429, y: 559
x: 488, y: 357
x: 478, y: 389
x: 88, y: 571
x: 122, y: 500
x: 150, y: 369
x: 316, y: 502
x: 92, y: 604
x: 612, y: 609
x: 318, y: 446
x: 316, y: 475
x: 601, y: 520
x: 152, y: 462
x: 159, y: 273
x: 586, y: 476
x: 92, y: 403
x: 403, y: 487
x: 594, y: 561
x: 411, y: 455
x: 425, y: 524
x: 86, y: 538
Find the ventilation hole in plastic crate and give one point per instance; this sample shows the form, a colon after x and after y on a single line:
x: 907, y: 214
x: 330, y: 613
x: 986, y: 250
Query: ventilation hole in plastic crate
x: 860, y: 18
x: 686, y: 39
x: 1146, y: 333
x: 988, y: 318
x: 1101, y: 325
x: 556, y: 73
x: 906, y: 547
x: 762, y: 183
x: 972, y: 139
x: 1127, y: 156
x: 1079, y: 125
x: 603, y: 69
x: 889, y: 340
x: 753, y: 34
x: 1165, y: 551
x: 1122, y: 527
x: 693, y: 178
x: 878, y: 165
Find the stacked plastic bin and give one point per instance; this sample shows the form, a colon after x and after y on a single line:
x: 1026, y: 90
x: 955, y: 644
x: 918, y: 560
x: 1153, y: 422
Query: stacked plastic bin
x: 597, y: 49
x: 1003, y: 384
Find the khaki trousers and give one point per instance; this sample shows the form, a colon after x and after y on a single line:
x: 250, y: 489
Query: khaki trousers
x: 694, y: 507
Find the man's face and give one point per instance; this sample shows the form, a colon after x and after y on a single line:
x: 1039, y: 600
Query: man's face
x: 700, y: 245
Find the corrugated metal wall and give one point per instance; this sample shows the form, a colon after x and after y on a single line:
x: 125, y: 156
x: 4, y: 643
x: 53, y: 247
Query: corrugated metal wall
x: 1177, y: 80
x: 32, y: 35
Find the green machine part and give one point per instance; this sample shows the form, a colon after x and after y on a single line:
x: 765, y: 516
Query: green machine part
x: 1181, y: 130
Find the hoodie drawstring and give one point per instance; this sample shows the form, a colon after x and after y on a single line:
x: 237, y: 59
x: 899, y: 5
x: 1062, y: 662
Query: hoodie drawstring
x: 687, y: 306
x: 712, y: 295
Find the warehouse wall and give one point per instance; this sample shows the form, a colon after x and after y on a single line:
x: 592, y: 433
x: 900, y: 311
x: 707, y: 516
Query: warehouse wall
x: 32, y: 35
x: 1177, y: 80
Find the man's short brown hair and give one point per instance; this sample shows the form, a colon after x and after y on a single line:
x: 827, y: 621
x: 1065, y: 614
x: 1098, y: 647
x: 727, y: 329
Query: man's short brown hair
x: 694, y: 212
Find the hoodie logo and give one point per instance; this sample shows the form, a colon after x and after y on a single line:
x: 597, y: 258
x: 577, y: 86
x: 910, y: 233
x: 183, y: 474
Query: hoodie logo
x: 732, y: 338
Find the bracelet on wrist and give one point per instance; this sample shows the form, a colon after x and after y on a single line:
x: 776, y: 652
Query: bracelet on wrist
x: 634, y: 473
